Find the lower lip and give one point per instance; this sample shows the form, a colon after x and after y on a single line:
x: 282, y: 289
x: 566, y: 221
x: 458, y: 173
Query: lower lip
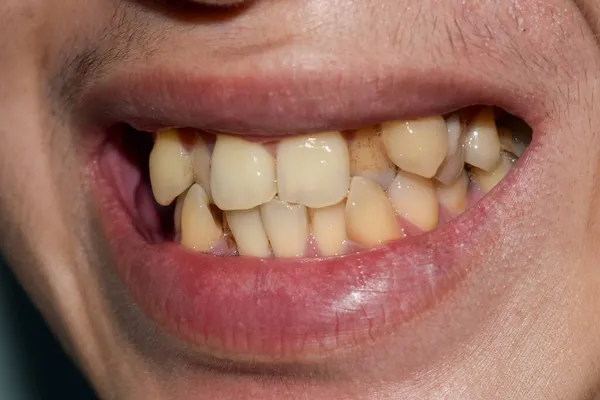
x: 291, y: 309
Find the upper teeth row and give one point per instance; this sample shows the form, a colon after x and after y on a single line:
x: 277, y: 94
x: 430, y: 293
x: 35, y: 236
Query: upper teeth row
x: 315, y: 170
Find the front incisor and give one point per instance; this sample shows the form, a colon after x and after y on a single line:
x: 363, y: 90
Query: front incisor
x: 482, y: 144
x: 249, y: 233
x: 313, y: 170
x: 417, y: 146
x: 368, y: 157
x: 242, y: 174
x: 199, y: 228
x: 201, y: 164
x: 414, y: 199
x: 286, y: 226
x: 170, y: 167
x: 328, y: 226
x: 370, y: 218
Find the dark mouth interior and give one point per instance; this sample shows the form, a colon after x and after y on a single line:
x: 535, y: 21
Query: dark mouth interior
x: 135, y: 147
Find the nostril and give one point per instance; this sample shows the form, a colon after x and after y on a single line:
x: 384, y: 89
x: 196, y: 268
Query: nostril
x: 224, y: 3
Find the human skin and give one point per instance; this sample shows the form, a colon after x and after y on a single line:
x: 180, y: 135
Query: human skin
x: 523, y: 325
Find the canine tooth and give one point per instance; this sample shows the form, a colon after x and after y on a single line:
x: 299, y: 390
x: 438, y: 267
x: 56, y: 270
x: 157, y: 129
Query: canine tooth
x: 201, y: 164
x: 417, y: 146
x: 482, y: 144
x: 413, y: 198
x: 370, y: 218
x: 510, y: 143
x: 453, y: 197
x: 242, y: 174
x: 454, y: 164
x: 249, y: 233
x: 286, y: 226
x: 329, y: 229
x: 313, y: 170
x: 199, y: 228
x: 368, y: 157
x: 170, y: 167
x: 487, y: 180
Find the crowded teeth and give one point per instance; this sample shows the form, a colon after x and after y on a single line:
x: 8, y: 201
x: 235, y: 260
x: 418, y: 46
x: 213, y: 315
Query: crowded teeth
x: 368, y: 157
x: 454, y: 164
x: 329, y: 229
x: 286, y: 226
x: 487, y: 180
x: 510, y: 142
x: 313, y: 170
x: 417, y: 146
x: 199, y: 228
x: 170, y: 167
x: 370, y: 218
x: 482, y: 144
x: 414, y: 199
x: 201, y: 164
x: 453, y: 197
x: 249, y: 233
x: 242, y: 174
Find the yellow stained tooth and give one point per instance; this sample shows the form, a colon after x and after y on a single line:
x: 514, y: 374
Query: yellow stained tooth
x: 329, y: 229
x: 487, y: 180
x: 201, y: 164
x: 414, y: 198
x: 370, y: 218
x: 418, y: 146
x: 286, y: 226
x: 199, y: 228
x: 170, y: 167
x: 313, y: 170
x: 482, y: 144
x: 453, y: 197
x: 508, y: 142
x: 368, y: 157
x: 249, y: 232
x: 242, y: 174
x: 454, y: 164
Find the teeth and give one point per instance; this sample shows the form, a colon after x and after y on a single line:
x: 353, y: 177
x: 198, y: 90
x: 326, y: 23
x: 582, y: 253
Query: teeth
x: 417, y: 146
x: 487, y: 180
x: 242, y: 174
x: 286, y: 226
x: 454, y: 164
x: 511, y: 143
x: 414, y: 198
x: 482, y: 144
x: 199, y: 228
x: 201, y: 164
x: 329, y: 229
x: 370, y: 218
x: 368, y: 158
x: 249, y: 233
x: 170, y: 167
x: 453, y: 197
x: 313, y: 170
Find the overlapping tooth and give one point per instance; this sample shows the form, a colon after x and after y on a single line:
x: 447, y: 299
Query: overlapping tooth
x: 369, y: 159
x: 328, y: 226
x: 482, y: 144
x: 454, y: 164
x: 510, y: 143
x: 370, y: 218
x: 417, y: 146
x: 313, y: 170
x: 487, y: 180
x: 286, y: 226
x: 414, y: 199
x: 170, y: 167
x: 242, y: 174
x: 453, y: 197
x: 199, y: 228
x: 200, y: 154
x: 249, y: 233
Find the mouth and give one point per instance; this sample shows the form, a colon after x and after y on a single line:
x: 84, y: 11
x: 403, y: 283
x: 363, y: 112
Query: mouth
x: 257, y: 237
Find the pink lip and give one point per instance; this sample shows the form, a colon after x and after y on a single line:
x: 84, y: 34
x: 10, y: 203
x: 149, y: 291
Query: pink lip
x: 286, y: 309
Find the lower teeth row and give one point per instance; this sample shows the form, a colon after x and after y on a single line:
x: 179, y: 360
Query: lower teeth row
x: 328, y: 194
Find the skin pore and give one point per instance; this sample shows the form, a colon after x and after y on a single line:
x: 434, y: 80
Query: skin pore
x: 525, y: 323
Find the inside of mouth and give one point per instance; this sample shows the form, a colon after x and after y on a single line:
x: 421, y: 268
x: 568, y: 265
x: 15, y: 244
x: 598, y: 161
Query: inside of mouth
x: 315, y: 195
